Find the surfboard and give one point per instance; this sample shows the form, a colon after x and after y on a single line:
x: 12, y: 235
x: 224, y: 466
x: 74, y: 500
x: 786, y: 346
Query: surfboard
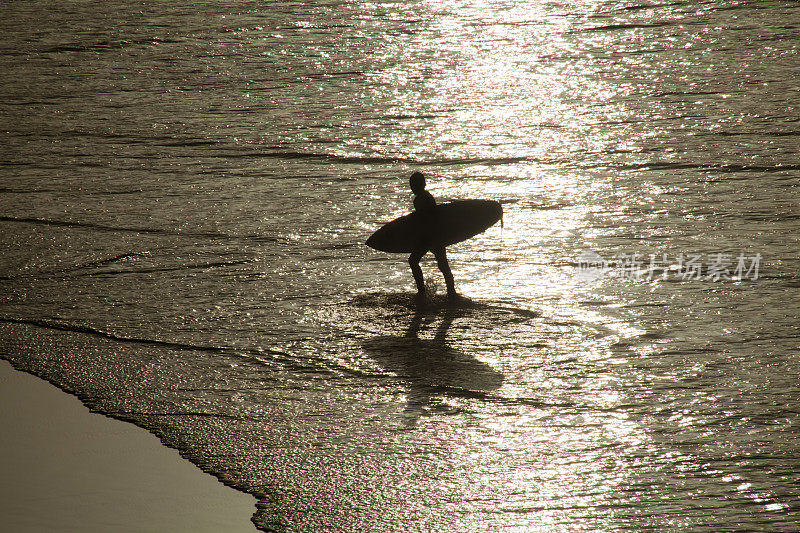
x: 450, y: 223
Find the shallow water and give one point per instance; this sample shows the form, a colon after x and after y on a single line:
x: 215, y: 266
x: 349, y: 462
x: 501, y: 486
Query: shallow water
x: 185, y: 194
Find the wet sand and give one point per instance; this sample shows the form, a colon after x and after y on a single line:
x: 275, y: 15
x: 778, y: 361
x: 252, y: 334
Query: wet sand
x: 67, y: 469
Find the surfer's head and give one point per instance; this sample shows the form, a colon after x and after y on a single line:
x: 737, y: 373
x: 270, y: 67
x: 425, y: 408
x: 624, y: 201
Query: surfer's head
x: 417, y: 182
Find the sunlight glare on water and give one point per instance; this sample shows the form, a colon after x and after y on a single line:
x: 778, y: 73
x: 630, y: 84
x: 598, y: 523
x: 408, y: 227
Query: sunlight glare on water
x: 188, y: 189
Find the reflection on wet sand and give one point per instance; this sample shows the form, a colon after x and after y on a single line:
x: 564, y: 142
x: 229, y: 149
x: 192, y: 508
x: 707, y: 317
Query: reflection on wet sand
x: 431, y: 366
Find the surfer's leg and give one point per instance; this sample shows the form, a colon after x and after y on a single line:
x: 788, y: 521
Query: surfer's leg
x: 413, y: 261
x: 444, y: 266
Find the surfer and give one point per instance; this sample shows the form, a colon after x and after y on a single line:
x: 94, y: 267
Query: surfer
x: 425, y: 205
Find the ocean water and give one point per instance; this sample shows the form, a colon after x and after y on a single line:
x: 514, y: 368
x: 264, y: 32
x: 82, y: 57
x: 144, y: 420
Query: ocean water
x: 187, y: 186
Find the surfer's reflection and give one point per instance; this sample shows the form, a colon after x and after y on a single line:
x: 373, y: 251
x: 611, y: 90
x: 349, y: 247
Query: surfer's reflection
x: 431, y: 367
x: 425, y: 205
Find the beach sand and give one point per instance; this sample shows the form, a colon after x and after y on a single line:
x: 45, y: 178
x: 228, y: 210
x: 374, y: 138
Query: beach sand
x: 67, y: 469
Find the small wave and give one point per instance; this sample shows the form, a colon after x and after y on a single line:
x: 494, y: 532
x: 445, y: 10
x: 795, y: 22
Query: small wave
x: 636, y: 7
x: 102, y: 227
x: 367, y: 159
x: 13, y: 53
x: 258, y: 354
x: 8, y: 190
x: 88, y: 330
x: 109, y: 260
x: 292, y: 361
x: 719, y: 167
x: 618, y: 27
x: 89, y: 269
x: 761, y: 216
x: 30, y: 103
x: 741, y: 5
x: 151, y: 270
x: 505, y: 160
x: 652, y: 6
x: 725, y: 133
x: 188, y: 143
x: 150, y: 231
x: 527, y: 402
x: 332, y: 74
x: 663, y: 94
x: 412, y: 117
x: 311, y: 156
x: 102, y: 46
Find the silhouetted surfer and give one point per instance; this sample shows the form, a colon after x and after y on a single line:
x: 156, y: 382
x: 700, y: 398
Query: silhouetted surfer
x: 425, y: 205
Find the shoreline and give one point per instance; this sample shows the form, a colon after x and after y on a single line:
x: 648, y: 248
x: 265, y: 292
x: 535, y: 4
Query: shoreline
x: 69, y: 469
